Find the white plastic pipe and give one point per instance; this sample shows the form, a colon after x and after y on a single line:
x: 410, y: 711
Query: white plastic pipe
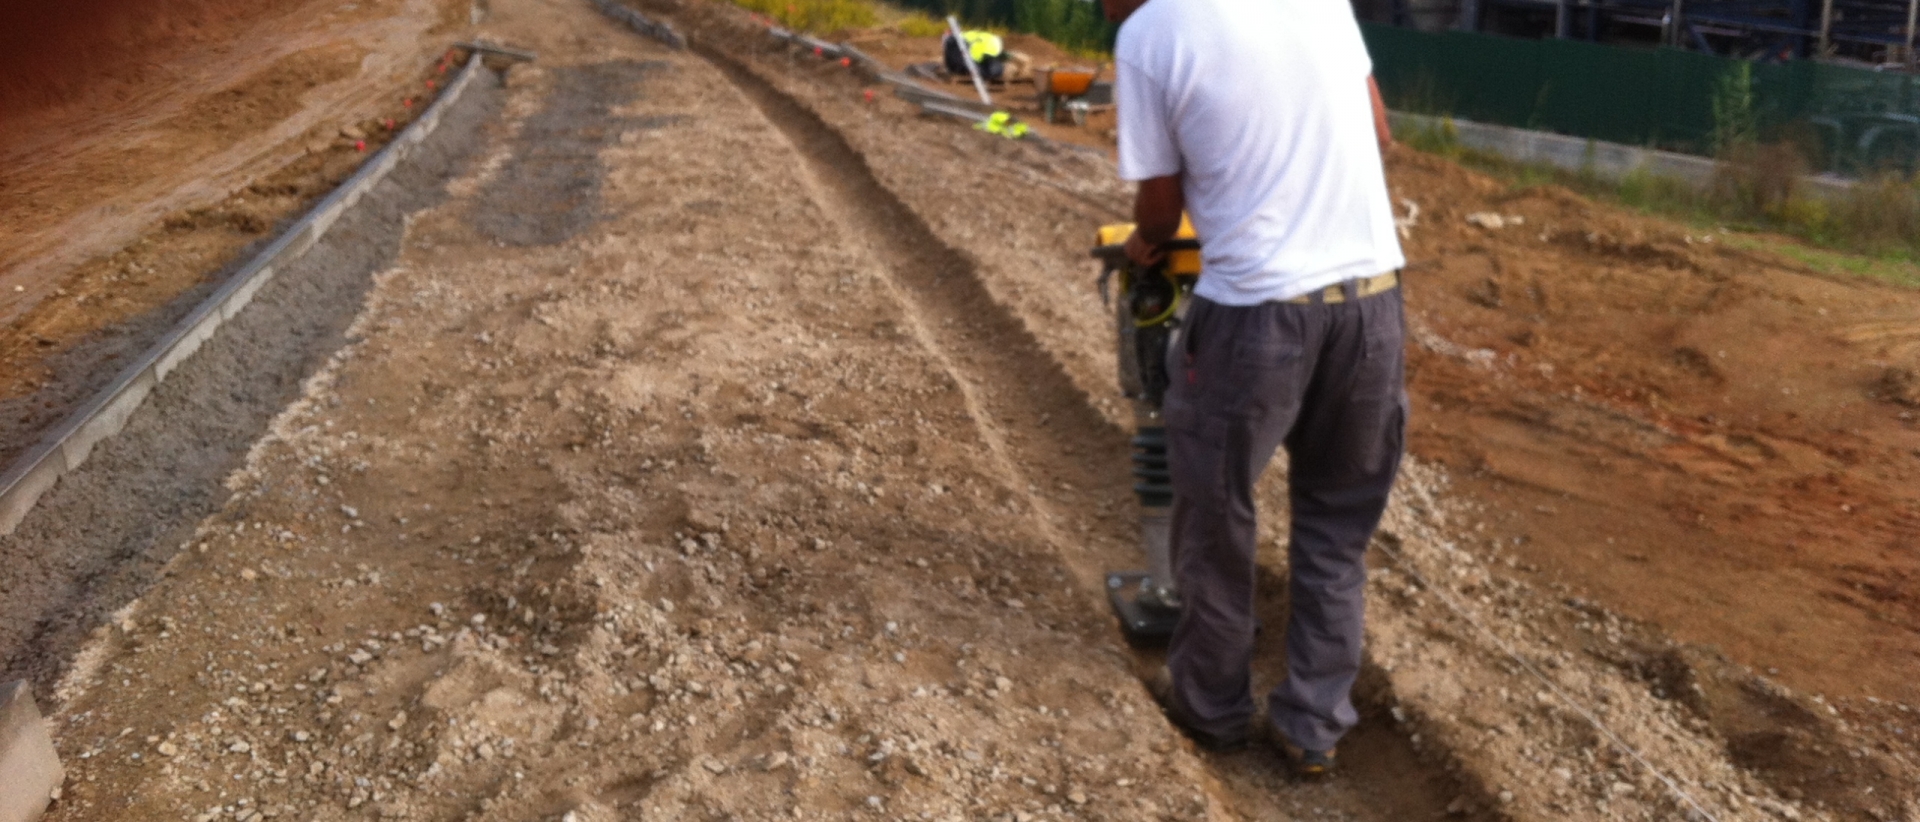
x: 966, y: 53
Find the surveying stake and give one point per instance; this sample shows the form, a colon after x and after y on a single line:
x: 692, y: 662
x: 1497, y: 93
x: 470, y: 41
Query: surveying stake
x: 1148, y: 312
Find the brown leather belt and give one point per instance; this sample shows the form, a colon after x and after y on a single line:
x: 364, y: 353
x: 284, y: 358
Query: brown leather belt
x: 1337, y: 293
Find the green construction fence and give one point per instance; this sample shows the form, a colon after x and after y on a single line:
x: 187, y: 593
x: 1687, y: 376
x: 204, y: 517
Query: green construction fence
x: 1850, y: 120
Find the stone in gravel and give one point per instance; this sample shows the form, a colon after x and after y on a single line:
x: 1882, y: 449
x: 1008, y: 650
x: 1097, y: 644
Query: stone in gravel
x: 715, y: 765
x: 359, y: 657
x: 1077, y: 797
x: 168, y: 749
x: 777, y: 760
x: 397, y: 722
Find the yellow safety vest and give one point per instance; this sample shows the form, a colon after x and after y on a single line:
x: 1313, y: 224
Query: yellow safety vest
x: 983, y: 44
x: 1003, y: 124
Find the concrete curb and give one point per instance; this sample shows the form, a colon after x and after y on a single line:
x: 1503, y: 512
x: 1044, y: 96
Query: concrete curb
x: 68, y: 445
x: 29, y: 768
x: 1609, y: 161
x: 641, y: 23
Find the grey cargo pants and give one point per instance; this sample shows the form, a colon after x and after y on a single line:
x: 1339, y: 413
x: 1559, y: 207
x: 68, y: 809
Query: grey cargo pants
x: 1326, y: 381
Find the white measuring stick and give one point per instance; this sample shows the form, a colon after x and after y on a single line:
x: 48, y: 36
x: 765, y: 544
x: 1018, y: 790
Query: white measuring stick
x: 966, y: 53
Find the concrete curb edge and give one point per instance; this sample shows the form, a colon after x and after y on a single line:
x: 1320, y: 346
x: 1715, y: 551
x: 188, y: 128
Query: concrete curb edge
x: 70, y: 443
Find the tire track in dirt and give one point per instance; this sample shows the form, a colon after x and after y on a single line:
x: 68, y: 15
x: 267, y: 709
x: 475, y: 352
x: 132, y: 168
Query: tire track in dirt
x: 977, y: 340
x: 1037, y: 424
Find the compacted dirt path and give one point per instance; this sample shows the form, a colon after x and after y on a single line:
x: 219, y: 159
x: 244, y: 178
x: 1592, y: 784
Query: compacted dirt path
x: 708, y: 455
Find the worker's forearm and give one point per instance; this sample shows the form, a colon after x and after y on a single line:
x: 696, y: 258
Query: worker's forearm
x: 1382, y: 130
x: 1157, y: 208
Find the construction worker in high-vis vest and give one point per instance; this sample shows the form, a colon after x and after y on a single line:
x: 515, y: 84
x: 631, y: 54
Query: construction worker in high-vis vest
x: 989, y: 53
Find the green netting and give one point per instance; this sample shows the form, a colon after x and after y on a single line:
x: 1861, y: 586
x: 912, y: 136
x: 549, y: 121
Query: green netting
x: 1850, y: 119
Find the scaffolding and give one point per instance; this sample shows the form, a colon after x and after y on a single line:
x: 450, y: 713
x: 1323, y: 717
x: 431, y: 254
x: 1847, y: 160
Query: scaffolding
x: 1877, y: 33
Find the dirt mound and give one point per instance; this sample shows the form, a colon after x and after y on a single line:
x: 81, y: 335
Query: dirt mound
x: 53, y: 54
x: 266, y: 97
x: 1900, y: 385
x: 1657, y: 405
x: 107, y: 309
x: 171, y: 106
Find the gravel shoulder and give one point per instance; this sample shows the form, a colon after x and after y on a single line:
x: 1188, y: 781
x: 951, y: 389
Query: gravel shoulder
x: 99, y: 537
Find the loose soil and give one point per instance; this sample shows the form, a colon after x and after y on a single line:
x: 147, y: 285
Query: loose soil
x: 141, y: 161
x: 1706, y: 438
x: 712, y: 452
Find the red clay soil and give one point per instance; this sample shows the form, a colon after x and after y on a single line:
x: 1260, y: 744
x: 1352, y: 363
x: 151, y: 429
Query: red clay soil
x: 144, y: 146
x: 1719, y: 441
x: 56, y: 53
x: 115, y: 113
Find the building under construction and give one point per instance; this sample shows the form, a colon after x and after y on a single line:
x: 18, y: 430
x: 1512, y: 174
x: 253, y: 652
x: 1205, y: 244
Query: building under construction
x: 1875, y: 32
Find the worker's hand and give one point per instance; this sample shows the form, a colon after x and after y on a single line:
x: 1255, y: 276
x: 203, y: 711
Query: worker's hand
x: 1143, y: 253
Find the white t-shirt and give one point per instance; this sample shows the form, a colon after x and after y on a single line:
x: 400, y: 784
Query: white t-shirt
x: 1264, y: 105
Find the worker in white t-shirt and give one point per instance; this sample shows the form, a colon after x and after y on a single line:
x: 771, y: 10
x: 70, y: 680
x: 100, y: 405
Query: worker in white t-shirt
x: 1260, y: 119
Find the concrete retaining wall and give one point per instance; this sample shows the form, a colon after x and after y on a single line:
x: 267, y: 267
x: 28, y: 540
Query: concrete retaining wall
x: 69, y: 444
x: 1610, y: 161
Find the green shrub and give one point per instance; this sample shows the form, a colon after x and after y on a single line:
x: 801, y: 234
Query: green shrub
x: 1881, y: 214
x: 1735, y: 124
x: 918, y: 24
x: 1647, y: 191
x: 816, y: 16
x: 1074, y: 25
x: 1442, y: 138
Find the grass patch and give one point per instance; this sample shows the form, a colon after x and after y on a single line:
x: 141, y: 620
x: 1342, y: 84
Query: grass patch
x: 1902, y: 271
x: 1870, y: 231
x: 919, y: 24
x: 1075, y: 26
x: 816, y: 16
